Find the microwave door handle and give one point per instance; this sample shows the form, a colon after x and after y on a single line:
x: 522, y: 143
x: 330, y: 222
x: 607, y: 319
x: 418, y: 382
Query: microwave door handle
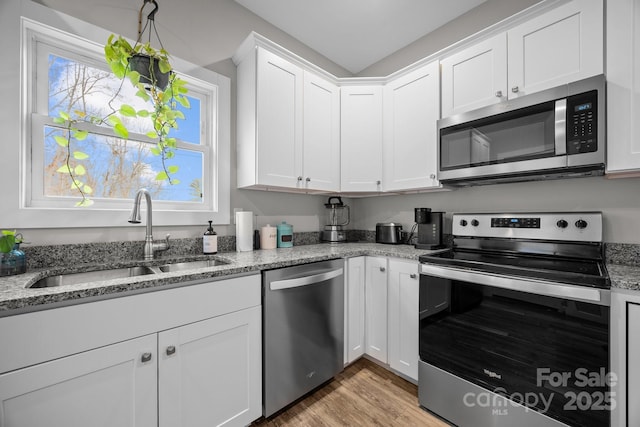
x: 561, y: 127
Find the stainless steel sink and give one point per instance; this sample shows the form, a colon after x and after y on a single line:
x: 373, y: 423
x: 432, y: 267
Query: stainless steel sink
x: 190, y: 265
x: 91, y: 276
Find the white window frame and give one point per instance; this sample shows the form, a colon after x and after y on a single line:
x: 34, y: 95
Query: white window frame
x: 29, y: 209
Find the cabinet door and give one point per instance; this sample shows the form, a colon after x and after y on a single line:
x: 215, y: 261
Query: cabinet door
x: 211, y: 371
x: 361, y: 138
x: 376, y: 307
x: 110, y: 386
x: 279, y: 121
x: 558, y: 47
x: 475, y: 77
x: 354, y: 309
x: 403, y: 317
x: 411, y: 109
x: 321, y: 165
x: 623, y: 86
x: 633, y: 369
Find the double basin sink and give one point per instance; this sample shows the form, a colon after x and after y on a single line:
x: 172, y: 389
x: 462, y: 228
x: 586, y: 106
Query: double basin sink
x: 119, y: 273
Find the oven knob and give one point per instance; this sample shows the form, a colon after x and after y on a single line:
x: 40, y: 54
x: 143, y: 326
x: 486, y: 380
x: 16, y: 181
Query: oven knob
x: 581, y: 223
x: 562, y: 223
x: 474, y: 222
x: 463, y: 222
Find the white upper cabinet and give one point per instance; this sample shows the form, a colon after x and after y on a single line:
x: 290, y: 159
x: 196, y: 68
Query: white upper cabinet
x: 475, y: 77
x: 269, y: 121
x: 559, y: 46
x: 411, y: 110
x: 361, y: 138
x: 623, y: 86
x: 279, y: 122
x: 321, y: 150
x: 288, y: 125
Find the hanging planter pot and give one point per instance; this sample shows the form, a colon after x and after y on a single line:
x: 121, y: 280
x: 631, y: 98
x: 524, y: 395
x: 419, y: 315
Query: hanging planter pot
x: 149, y: 70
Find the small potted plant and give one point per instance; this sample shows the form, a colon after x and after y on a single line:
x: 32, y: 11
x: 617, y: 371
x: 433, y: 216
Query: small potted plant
x: 12, y: 259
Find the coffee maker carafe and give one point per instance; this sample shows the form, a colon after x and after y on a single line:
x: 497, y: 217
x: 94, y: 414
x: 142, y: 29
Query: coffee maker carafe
x: 337, y: 218
x: 429, y: 228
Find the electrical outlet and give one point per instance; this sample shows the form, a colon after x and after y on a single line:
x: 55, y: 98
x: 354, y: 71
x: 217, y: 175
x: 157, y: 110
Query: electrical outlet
x: 234, y: 213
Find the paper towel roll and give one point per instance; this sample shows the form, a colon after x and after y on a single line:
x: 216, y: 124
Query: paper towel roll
x: 244, y: 231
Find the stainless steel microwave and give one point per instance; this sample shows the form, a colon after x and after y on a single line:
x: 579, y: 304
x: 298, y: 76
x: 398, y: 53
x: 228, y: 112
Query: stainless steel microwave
x: 559, y: 132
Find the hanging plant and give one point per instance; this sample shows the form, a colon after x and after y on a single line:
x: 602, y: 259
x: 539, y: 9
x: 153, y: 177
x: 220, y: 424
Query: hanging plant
x: 150, y: 72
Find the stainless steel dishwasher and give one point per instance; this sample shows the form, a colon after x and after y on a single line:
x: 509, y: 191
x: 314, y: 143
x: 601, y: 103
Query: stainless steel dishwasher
x: 303, y: 330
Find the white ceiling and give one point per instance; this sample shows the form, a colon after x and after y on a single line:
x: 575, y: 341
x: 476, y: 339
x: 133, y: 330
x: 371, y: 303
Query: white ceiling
x: 358, y: 33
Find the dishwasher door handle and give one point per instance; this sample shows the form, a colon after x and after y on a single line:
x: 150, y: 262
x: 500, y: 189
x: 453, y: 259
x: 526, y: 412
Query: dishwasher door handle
x: 305, y: 280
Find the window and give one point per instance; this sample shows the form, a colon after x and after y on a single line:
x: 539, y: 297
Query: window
x: 66, y: 72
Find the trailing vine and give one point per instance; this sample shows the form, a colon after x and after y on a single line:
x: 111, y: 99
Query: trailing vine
x: 163, y: 116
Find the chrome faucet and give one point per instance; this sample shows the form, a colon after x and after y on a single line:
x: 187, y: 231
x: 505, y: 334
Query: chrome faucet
x: 150, y: 248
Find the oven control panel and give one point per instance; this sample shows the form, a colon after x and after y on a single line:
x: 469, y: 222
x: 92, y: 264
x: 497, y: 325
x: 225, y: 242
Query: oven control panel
x: 569, y: 226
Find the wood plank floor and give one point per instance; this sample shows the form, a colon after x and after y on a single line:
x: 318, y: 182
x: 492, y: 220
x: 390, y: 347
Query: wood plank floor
x: 364, y: 394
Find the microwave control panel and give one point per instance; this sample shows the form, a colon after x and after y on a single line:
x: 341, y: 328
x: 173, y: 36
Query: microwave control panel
x: 582, y: 123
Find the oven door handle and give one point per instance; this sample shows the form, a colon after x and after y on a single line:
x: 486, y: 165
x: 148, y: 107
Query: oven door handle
x: 534, y: 286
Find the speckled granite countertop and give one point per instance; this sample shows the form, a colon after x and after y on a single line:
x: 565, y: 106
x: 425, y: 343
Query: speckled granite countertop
x: 16, y: 297
x: 624, y: 276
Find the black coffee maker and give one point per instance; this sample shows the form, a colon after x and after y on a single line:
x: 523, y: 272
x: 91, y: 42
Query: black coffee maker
x: 429, y: 228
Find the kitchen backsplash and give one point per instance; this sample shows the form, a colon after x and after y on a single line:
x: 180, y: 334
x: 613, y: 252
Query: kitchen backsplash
x: 622, y: 253
x: 47, y: 256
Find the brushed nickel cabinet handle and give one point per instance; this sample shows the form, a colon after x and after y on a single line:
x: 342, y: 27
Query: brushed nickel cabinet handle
x: 499, y: 94
x: 145, y: 357
x: 515, y: 89
x: 382, y: 269
x: 171, y: 350
x: 413, y: 275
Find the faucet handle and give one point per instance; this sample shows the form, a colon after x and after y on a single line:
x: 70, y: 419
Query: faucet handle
x: 161, y: 246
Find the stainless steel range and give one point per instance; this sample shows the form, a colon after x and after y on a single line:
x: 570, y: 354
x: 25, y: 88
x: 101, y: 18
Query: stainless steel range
x: 514, y: 322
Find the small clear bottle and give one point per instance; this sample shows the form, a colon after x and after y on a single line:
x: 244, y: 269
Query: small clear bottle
x: 210, y: 241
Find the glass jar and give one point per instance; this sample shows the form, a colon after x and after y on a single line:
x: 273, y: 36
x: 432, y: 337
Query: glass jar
x: 13, y: 262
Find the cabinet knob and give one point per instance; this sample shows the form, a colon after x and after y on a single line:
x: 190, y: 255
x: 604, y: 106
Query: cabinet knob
x: 515, y: 89
x: 413, y: 275
x: 308, y: 179
x: 378, y: 182
x: 145, y: 357
x: 432, y: 176
x: 499, y: 94
x: 299, y: 178
x: 383, y: 269
x: 171, y: 350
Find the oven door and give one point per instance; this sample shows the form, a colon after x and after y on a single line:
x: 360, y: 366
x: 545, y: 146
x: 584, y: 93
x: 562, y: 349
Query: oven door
x: 529, y: 341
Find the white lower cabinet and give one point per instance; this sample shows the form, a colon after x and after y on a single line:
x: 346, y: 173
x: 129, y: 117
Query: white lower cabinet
x: 376, y: 308
x: 207, y: 371
x: 382, y: 307
x: 403, y: 317
x: 189, y: 356
x: 354, y: 325
x: 109, y: 386
x: 625, y: 354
